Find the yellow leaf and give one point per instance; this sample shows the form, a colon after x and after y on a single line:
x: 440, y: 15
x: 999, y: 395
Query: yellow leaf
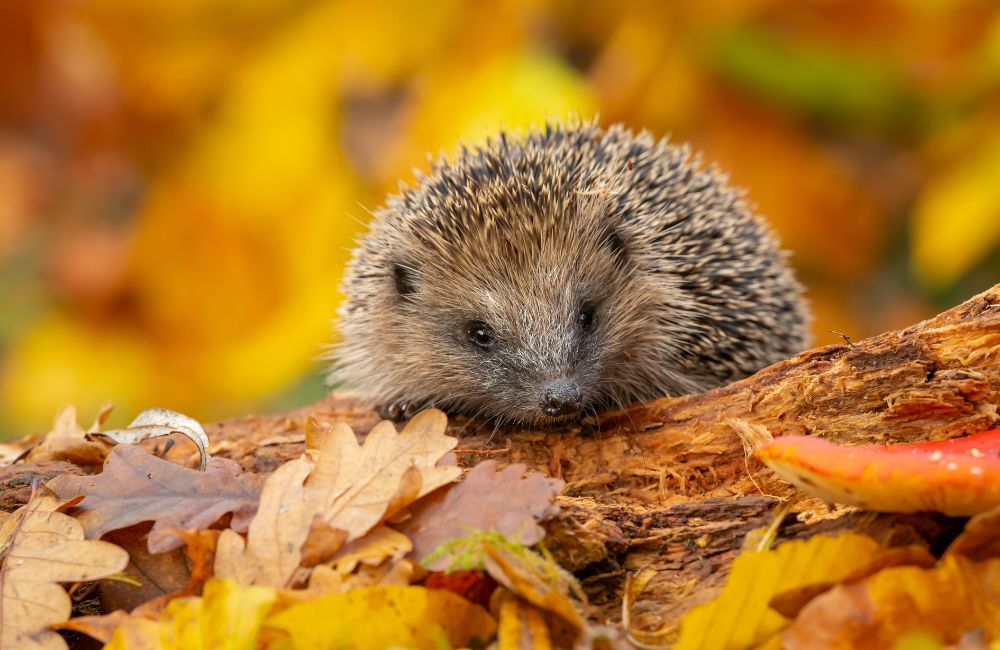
x: 225, y: 617
x: 740, y: 617
x: 957, y: 218
x: 521, y: 626
x: 44, y: 548
x: 956, y: 596
x: 411, y: 617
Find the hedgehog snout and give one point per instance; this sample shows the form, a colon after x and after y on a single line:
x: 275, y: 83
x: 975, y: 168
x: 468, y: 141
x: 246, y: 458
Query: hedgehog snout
x: 560, y: 397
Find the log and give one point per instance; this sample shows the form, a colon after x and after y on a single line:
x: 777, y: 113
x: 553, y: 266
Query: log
x: 669, y: 485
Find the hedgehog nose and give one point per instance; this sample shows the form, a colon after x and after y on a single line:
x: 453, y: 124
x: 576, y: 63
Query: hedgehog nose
x: 560, y: 397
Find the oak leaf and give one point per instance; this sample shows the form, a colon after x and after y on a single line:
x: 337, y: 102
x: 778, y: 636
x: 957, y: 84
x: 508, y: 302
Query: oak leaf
x: 43, y: 548
x: 506, y: 502
x: 342, y: 485
x: 136, y: 486
x: 380, y: 544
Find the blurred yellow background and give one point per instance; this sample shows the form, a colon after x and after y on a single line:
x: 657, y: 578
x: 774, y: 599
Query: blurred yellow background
x: 180, y: 180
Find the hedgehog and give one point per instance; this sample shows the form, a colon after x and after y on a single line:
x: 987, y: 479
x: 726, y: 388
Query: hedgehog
x: 537, y: 278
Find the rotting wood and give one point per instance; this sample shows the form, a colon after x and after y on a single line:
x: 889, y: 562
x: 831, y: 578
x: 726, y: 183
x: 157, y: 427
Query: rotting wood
x: 668, y: 484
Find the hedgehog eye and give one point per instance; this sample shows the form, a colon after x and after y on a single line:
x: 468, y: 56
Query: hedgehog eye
x: 481, y: 335
x: 402, y: 277
x: 585, y: 319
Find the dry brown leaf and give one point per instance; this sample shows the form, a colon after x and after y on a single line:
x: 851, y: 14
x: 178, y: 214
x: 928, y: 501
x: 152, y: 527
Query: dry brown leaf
x: 68, y: 441
x: 356, y: 484
x: 200, y: 551
x: 321, y: 542
x: 350, y: 487
x: 380, y: 544
x: 507, y: 502
x: 100, y: 627
x: 158, y: 423
x: 272, y: 550
x: 45, y: 548
x: 136, y: 486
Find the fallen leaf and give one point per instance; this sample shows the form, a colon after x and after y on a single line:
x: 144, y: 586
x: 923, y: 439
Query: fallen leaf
x: 537, y: 580
x: 790, y: 603
x: 324, y: 579
x: 356, y: 483
x: 958, y: 477
x: 411, y: 617
x: 136, y: 486
x: 322, y: 542
x: 225, y: 616
x: 349, y: 487
x: 507, y: 502
x: 156, y: 423
x: 272, y: 550
x: 380, y: 544
x: 44, y: 548
x: 521, y: 626
x: 68, y: 440
x: 100, y: 627
x: 151, y: 576
x: 740, y: 617
x: 956, y: 596
x: 200, y: 551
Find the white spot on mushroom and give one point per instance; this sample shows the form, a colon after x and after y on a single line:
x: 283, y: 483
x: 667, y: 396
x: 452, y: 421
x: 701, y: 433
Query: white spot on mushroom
x: 975, y: 453
x: 952, y: 466
x: 936, y: 455
x: 977, y: 471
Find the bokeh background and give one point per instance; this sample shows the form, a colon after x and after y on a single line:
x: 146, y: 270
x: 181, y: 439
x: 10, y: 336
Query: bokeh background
x: 180, y: 180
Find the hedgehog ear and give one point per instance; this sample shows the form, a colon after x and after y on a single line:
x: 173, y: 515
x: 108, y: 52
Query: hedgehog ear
x: 402, y: 277
x: 615, y: 242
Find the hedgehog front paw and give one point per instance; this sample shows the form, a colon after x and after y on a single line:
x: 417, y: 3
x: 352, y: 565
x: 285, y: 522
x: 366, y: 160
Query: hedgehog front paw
x: 398, y: 411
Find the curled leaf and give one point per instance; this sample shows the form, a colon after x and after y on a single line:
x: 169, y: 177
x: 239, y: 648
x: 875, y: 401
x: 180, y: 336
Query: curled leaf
x: 158, y: 422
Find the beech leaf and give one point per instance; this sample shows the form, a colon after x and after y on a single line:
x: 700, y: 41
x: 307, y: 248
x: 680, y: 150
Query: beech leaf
x: 959, y: 477
x: 44, y: 548
x: 506, y: 502
x: 136, y: 486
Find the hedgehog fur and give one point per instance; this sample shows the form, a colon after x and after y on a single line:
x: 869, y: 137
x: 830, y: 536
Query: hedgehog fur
x: 567, y: 270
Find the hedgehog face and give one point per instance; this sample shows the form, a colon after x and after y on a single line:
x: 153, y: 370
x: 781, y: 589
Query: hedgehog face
x: 537, y: 341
